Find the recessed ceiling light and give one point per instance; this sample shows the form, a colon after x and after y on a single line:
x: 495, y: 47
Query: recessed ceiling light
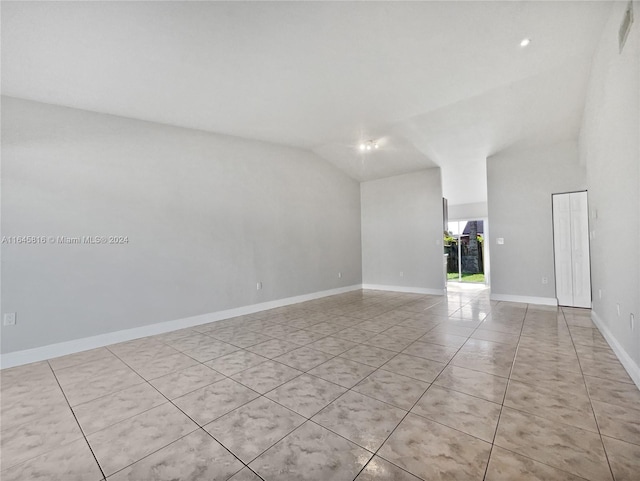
x: 525, y: 42
x: 368, y: 145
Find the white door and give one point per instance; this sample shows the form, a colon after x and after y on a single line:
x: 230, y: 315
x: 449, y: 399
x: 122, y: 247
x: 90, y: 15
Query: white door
x: 571, y: 249
x: 562, y: 248
x: 580, y: 250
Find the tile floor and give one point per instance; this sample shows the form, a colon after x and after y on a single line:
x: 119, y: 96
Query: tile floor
x: 367, y: 385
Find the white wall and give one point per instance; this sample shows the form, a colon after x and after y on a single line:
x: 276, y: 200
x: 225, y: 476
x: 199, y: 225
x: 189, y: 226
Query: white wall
x: 402, y: 232
x: 475, y: 210
x: 520, y: 185
x: 207, y: 216
x: 610, y: 149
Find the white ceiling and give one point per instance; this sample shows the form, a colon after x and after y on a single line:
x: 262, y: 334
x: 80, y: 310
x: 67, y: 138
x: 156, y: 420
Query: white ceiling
x: 437, y: 83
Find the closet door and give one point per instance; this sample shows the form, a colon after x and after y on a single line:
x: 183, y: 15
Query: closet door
x: 581, y: 268
x: 562, y: 248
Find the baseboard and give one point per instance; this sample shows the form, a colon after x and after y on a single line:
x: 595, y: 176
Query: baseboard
x: 543, y: 301
x: 51, y: 351
x: 413, y: 290
x: 629, y: 364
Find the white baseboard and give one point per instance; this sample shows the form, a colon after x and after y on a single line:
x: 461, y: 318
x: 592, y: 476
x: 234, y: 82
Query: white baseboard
x: 543, y: 301
x: 413, y: 290
x: 51, y: 351
x: 629, y: 364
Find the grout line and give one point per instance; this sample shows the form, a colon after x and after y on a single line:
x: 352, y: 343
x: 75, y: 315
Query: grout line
x: 77, y: 422
x: 406, y: 415
x: 504, y: 397
x: 190, y: 418
x: 593, y: 412
x: 542, y: 417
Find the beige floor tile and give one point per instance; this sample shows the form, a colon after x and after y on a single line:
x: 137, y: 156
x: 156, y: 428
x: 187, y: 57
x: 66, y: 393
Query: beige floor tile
x: 361, y: 419
x: 457, y: 328
x: 618, y: 421
x: 235, y: 362
x: 507, y: 466
x: 415, y: 367
x: 385, y: 341
x: 253, y: 428
x: 542, y: 371
x: 190, y: 341
x: 210, y: 402
x: 379, y: 469
x: 562, y: 446
x: 137, y: 358
x: 88, y: 370
x: 185, y: 381
x: 210, y: 351
x: 113, y: 408
x: 245, y: 475
x: 311, y: 453
x: 434, y: 352
x: 400, y: 391
x: 21, y: 407
x: 306, y: 394
x: 69, y: 462
x: 80, y: 358
x: 193, y: 457
x: 22, y: 442
x: 242, y: 339
x: 145, y: 434
x: 465, y: 413
x: 332, y: 345
x: 486, y: 356
x: 355, y: 334
x: 162, y: 366
x: 406, y: 332
x: 474, y: 383
x: 273, y: 348
x: 432, y: 451
x: 613, y: 392
x: 342, y: 371
x: 554, y: 401
x: 304, y: 337
x: 266, y: 376
x: 304, y: 358
x: 114, y: 381
x: 370, y: 355
x: 606, y: 370
x: 624, y: 459
x: 444, y: 339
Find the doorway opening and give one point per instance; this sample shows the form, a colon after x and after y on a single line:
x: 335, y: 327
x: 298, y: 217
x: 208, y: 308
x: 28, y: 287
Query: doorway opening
x: 464, y: 248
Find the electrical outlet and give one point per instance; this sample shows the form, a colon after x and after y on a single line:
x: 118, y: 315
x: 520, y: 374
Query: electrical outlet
x: 632, y: 321
x: 9, y: 319
x: 259, y: 286
x: 618, y: 309
x: 545, y: 280
x: 500, y: 240
x: 339, y: 275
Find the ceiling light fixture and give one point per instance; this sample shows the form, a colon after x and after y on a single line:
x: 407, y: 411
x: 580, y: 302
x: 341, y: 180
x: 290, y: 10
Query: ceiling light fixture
x: 525, y: 42
x: 369, y: 145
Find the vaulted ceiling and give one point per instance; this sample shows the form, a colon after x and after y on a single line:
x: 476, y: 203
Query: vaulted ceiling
x: 435, y: 83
